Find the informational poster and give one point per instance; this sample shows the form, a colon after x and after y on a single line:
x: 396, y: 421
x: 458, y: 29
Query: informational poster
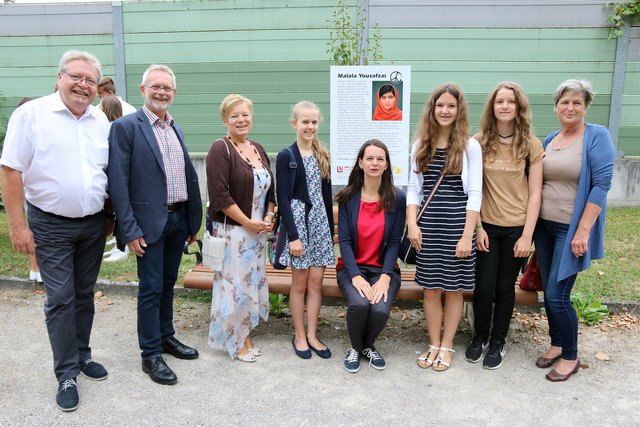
x: 370, y: 102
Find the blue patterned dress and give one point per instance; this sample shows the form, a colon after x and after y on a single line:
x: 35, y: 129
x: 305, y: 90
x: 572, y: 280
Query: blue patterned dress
x: 240, y: 293
x: 320, y: 253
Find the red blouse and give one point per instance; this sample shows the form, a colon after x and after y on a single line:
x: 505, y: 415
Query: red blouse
x: 370, y: 235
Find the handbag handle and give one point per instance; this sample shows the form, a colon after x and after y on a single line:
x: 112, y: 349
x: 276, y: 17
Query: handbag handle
x: 426, y: 203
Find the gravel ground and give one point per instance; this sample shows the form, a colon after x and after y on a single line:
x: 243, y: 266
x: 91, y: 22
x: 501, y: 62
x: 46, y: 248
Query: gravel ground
x: 281, y: 389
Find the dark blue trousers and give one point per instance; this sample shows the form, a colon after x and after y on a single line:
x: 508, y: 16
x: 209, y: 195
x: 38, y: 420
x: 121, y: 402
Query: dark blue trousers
x: 158, y: 272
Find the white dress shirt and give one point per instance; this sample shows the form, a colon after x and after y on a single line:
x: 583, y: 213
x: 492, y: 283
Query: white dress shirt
x: 471, y: 176
x: 126, y: 107
x: 63, y: 159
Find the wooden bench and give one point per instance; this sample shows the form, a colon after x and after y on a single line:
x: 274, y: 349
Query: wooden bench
x: 280, y: 281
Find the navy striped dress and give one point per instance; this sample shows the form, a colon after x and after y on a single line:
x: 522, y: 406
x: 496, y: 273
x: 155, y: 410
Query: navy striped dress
x: 442, y: 225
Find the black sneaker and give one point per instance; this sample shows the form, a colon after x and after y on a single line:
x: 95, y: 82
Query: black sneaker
x: 352, y: 361
x: 67, y: 397
x: 93, y: 370
x: 493, y: 359
x: 475, y: 349
x: 375, y: 360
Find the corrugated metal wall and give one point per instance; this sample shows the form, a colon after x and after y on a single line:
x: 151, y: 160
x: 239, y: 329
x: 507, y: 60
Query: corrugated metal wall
x: 274, y: 53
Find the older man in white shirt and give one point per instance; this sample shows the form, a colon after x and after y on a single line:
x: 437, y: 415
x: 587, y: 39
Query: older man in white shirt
x: 56, y: 152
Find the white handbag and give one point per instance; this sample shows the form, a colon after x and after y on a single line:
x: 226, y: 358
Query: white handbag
x: 213, y: 249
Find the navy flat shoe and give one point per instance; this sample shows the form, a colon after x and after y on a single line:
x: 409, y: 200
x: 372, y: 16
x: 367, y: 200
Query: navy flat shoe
x: 325, y: 354
x: 304, y: 354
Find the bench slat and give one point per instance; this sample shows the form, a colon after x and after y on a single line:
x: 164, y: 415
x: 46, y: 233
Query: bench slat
x: 280, y: 283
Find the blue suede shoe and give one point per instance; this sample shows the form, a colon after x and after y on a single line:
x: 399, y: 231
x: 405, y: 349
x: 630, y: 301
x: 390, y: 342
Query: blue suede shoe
x: 352, y: 361
x: 67, y: 397
x: 325, y: 354
x: 304, y: 354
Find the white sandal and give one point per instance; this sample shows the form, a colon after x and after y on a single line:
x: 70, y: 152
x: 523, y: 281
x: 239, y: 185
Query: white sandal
x: 442, y: 365
x: 426, y: 362
x: 249, y: 357
x: 255, y: 351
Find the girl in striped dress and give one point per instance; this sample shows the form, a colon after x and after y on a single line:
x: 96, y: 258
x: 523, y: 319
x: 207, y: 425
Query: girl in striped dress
x: 444, y: 237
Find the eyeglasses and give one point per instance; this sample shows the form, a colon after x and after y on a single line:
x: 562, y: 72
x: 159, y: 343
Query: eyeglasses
x: 78, y: 78
x: 160, y: 88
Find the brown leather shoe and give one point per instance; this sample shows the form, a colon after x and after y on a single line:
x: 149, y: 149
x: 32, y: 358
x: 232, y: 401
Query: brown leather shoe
x: 544, y: 362
x: 555, y: 376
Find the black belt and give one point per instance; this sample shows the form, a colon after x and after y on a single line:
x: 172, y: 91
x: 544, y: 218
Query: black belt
x: 175, y: 207
x: 66, y: 218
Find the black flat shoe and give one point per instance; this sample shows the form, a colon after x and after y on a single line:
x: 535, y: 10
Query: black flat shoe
x: 159, y: 371
x: 174, y: 347
x: 304, y: 354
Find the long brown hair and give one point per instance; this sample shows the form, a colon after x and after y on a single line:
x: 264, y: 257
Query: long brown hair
x: 322, y: 154
x: 428, y: 131
x: 387, y: 191
x: 111, y: 107
x: 522, y: 132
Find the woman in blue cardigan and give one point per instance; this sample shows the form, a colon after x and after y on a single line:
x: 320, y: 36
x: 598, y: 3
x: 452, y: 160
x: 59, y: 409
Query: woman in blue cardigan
x: 306, y: 210
x: 577, y: 171
x: 371, y: 218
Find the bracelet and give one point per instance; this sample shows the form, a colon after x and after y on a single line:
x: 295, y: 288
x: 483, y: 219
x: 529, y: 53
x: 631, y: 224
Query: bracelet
x: 478, y: 226
x: 271, y: 213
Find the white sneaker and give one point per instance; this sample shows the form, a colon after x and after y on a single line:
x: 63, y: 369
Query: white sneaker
x: 111, y: 242
x: 118, y: 255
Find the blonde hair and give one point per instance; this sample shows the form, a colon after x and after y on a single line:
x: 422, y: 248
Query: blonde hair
x: 429, y: 130
x: 523, y: 135
x: 322, y: 154
x: 230, y: 101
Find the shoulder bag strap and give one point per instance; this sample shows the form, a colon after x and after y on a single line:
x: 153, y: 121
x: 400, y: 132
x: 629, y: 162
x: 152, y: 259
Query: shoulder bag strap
x: 433, y: 191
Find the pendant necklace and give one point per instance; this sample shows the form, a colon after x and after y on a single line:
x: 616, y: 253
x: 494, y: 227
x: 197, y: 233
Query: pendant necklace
x: 503, y: 138
x: 241, y: 151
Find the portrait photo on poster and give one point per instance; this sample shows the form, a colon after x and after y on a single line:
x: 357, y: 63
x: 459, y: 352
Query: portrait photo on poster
x: 386, y: 99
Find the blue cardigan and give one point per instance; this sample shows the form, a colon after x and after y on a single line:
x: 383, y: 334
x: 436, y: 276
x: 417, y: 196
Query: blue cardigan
x: 300, y: 191
x: 598, y: 158
x: 348, y: 233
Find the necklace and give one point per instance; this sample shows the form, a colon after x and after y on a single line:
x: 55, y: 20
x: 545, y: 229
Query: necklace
x: 503, y: 138
x: 241, y: 151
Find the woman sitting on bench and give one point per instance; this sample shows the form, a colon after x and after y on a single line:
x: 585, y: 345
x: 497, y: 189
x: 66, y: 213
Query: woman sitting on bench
x: 371, y: 217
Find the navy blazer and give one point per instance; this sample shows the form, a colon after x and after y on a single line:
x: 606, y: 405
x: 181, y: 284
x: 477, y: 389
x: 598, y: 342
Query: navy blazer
x: 138, y: 182
x: 300, y: 191
x: 348, y: 233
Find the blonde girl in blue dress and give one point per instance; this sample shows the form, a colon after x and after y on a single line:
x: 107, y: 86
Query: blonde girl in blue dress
x: 306, y: 211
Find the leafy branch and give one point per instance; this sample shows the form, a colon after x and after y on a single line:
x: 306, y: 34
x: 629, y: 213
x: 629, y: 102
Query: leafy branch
x: 347, y: 44
x: 621, y: 9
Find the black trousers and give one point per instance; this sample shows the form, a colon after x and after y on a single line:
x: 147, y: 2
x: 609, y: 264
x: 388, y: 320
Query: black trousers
x: 365, y: 321
x: 69, y: 253
x: 496, y: 274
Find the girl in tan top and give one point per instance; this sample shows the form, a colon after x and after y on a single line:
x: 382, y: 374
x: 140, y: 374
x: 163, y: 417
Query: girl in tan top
x: 511, y: 188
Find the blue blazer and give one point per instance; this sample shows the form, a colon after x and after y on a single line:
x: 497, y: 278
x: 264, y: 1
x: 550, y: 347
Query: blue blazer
x: 300, y: 191
x: 598, y: 158
x: 138, y: 182
x: 348, y: 233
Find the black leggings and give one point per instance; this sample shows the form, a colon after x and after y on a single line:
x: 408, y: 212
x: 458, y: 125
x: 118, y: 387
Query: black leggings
x: 496, y: 274
x: 365, y: 320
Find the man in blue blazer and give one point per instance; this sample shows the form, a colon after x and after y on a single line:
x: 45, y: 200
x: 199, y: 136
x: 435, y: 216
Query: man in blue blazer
x: 156, y: 197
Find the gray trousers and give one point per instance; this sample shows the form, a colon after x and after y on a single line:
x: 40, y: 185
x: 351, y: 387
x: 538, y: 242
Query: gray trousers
x: 69, y: 252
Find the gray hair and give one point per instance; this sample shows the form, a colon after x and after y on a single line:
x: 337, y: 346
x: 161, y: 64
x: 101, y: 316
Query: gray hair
x: 158, y: 67
x: 72, y: 55
x: 582, y: 87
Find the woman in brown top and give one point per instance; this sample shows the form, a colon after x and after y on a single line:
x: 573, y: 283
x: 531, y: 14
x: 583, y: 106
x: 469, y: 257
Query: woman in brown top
x: 242, y: 201
x: 511, y: 188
